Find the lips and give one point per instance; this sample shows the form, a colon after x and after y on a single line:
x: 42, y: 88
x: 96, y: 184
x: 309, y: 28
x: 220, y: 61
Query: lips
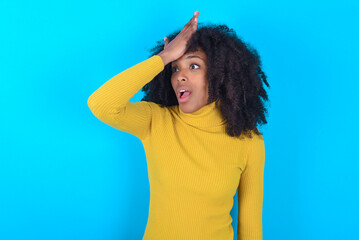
x: 184, y: 97
x: 182, y: 88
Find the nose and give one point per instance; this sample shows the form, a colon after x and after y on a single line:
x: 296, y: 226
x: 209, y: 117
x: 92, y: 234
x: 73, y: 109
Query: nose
x: 182, y: 77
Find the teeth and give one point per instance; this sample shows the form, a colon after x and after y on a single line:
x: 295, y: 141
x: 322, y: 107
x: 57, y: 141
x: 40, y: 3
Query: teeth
x: 182, y: 90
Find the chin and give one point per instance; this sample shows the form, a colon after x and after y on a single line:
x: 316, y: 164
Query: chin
x: 188, y: 108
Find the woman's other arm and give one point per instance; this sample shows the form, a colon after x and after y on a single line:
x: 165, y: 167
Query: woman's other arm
x: 250, y: 192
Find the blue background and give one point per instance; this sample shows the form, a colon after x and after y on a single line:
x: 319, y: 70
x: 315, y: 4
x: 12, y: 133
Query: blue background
x: 66, y: 175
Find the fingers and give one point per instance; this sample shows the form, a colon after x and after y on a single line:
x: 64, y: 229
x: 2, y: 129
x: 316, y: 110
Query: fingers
x: 186, y: 26
x: 188, y: 29
x: 193, y: 20
x: 192, y: 27
x: 195, y: 17
x: 190, y: 21
x: 196, y: 13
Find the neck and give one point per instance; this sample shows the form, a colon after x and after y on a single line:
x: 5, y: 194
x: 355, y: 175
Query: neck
x: 207, y: 116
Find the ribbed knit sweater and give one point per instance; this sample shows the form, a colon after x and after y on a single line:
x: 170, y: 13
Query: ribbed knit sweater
x: 194, y: 167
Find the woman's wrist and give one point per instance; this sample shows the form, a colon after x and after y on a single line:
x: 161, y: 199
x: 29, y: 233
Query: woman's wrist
x: 164, y: 57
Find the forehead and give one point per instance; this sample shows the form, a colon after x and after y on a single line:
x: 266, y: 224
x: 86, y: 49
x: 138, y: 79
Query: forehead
x: 197, y: 54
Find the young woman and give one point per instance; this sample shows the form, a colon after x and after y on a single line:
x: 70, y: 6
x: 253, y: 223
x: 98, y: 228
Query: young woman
x: 198, y: 125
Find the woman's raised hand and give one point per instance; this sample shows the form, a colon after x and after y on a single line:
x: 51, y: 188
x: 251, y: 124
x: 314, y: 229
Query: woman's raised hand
x: 178, y: 46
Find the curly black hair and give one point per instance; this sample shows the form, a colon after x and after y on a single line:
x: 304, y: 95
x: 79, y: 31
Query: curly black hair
x: 234, y: 74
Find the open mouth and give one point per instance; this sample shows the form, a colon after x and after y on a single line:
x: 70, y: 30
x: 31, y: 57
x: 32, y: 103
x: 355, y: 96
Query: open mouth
x: 183, y: 96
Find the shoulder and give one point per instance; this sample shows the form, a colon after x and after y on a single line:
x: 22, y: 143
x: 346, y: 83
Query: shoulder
x: 255, y: 147
x: 157, y: 109
x: 256, y: 138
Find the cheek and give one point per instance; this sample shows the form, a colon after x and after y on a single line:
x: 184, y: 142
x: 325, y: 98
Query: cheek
x: 205, y: 85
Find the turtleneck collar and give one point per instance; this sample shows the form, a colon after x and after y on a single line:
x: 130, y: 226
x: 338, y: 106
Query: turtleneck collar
x: 205, y: 117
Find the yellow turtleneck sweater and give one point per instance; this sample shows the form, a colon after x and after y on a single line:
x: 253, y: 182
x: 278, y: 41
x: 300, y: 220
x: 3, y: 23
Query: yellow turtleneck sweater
x: 194, y: 167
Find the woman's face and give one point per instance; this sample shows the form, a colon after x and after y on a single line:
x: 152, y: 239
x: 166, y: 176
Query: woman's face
x: 189, y: 72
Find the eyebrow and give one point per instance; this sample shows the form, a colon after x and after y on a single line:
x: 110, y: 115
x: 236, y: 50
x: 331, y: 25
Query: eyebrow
x: 191, y: 56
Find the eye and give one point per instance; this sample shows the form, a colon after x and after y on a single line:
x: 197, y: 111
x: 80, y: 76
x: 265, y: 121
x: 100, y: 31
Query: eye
x: 194, y: 64
x: 174, y: 68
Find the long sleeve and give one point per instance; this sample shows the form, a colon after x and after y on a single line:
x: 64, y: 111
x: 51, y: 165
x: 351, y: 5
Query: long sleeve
x: 110, y: 103
x: 250, y: 193
x: 192, y: 179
